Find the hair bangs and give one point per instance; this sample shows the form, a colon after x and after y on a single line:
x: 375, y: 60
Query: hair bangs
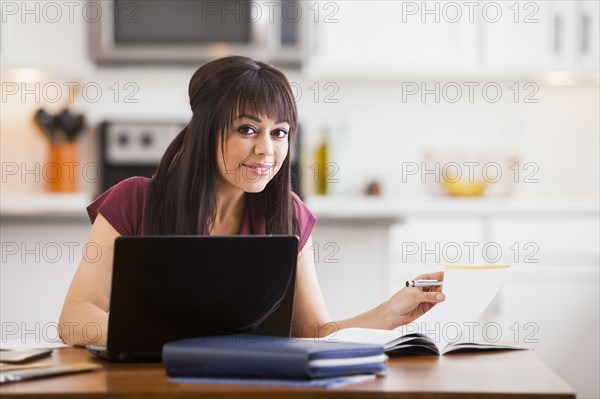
x: 263, y: 95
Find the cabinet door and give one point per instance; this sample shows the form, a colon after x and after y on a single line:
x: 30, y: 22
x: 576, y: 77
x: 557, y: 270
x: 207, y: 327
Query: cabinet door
x: 366, y: 38
x: 528, y: 36
x: 554, y: 309
x: 588, y: 37
x: 550, y: 300
x: 38, y: 263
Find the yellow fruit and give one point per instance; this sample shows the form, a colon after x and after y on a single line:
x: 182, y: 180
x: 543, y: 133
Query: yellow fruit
x: 465, y: 188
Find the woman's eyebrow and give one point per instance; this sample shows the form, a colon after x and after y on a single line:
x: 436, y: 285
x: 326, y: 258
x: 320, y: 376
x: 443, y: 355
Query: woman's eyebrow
x: 256, y: 118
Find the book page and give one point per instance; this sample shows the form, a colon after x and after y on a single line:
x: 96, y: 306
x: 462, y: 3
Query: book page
x: 385, y: 338
x: 469, y: 290
x: 476, y: 347
x: 391, y: 340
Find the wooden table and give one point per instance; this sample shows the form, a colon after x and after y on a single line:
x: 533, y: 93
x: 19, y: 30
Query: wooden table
x: 514, y: 374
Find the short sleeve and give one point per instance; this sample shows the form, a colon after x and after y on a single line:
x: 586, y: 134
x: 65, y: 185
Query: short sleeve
x: 306, y: 220
x: 122, y: 205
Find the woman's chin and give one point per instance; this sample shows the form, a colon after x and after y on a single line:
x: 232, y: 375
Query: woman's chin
x: 254, y: 188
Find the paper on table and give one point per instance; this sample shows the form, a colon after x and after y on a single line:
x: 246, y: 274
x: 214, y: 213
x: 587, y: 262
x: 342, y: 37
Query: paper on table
x: 320, y: 382
x: 30, y: 344
x: 469, y: 290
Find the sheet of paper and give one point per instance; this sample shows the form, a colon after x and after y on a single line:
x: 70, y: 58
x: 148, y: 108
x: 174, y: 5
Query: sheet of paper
x: 321, y: 382
x: 469, y: 290
x: 363, y: 335
x: 30, y: 344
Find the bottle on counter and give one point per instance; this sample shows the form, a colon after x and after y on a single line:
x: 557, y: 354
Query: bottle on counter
x: 320, y: 165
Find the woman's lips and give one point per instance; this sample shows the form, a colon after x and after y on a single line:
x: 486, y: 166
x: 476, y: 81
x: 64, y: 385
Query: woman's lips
x: 260, y: 169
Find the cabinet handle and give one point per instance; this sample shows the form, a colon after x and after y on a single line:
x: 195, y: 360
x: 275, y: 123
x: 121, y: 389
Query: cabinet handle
x: 585, y: 33
x: 557, y: 34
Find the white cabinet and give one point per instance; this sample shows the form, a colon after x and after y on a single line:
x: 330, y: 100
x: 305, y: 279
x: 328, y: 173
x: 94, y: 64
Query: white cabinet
x: 402, y: 38
x: 550, y: 301
x: 529, y: 36
x: 389, y: 37
x: 541, y: 36
x: 39, y: 259
x: 553, y: 308
x: 588, y: 15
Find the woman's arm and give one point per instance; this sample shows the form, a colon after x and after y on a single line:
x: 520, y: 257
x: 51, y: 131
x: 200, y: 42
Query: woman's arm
x: 310, y: 313
x: 84, y: 316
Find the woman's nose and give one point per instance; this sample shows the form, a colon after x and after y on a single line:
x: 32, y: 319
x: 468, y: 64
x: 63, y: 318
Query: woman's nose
x: 264, y: 145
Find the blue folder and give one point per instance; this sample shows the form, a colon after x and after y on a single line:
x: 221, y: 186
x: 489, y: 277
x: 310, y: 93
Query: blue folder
x: 253, y: 356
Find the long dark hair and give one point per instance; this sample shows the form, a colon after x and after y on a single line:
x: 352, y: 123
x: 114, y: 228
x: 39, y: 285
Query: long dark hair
x: 181, y: 197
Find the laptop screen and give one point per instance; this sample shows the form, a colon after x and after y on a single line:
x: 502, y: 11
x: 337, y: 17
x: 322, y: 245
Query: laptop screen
x: 166, y: 288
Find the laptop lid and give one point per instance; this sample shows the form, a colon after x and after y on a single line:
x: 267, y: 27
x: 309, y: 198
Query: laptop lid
x: 166, y: 288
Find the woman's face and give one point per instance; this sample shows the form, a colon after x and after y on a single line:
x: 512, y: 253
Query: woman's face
x: 254, y: 150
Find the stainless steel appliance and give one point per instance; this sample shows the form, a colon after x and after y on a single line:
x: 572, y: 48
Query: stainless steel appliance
x: 195, y: 31
x: 135, y: 149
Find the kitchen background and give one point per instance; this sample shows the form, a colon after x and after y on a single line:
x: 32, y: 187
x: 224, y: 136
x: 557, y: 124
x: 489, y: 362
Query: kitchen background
x: 394, y: 98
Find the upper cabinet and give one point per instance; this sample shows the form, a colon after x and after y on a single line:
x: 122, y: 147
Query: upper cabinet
x: 399, y: 38
x: 588, y: 15
x: 387, y: 37
x: 542, y: 36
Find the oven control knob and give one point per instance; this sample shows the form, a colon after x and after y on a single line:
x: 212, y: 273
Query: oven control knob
x: 123, y: 139
x: 146, y: 140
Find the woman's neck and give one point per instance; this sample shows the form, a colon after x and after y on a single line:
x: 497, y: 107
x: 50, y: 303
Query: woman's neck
x: 231, y: 204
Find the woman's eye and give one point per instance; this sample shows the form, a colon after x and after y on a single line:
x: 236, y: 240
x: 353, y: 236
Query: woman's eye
x: 280, y: 133
x: 247, y: 130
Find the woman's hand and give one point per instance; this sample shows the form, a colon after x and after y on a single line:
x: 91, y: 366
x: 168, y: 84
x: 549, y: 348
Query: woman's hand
x: 410, y: 303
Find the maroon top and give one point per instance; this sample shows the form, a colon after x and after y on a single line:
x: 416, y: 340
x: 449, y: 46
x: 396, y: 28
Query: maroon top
x: 124, y: 207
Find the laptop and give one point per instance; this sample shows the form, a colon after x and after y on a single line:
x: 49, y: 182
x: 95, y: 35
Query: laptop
x: 166, y: 288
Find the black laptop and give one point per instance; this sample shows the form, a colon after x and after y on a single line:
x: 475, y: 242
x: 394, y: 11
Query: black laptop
x: 166, y: 288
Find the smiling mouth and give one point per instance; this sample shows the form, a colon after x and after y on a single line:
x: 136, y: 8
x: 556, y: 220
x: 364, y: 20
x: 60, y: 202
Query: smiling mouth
x: 261, y: 170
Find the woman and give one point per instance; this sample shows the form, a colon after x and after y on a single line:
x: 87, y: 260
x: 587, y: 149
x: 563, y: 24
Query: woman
x: 227, y: 172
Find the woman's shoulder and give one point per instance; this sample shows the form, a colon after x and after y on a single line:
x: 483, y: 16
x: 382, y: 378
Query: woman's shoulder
x: 306, y: 219
x: 298, y: 203
x: 132, y: 183
x: 131, y: 188
x: 123, y: 205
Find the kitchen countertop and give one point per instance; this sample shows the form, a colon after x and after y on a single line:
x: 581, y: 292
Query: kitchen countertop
x: 389, y: 208
x: 44, y: 207
x: 386, y: 210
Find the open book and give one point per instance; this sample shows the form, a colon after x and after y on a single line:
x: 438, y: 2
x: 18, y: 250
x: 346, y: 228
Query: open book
x: 396, y: 343
x: 448, y: 326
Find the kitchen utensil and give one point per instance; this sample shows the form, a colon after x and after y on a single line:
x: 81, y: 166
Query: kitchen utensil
x: 47, y: 124
x: 70, y: 123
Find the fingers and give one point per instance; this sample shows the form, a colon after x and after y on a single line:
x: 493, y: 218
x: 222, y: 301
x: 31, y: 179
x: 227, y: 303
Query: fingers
x: 431, y: 297
x: 431, y: 289
x: 431, y: 276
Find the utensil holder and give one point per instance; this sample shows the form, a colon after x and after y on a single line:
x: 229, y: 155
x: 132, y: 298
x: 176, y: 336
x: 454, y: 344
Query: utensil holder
x: 61, y: 170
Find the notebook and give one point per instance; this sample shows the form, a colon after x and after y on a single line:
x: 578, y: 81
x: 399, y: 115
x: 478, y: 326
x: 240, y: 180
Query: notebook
x: 251, y: 356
